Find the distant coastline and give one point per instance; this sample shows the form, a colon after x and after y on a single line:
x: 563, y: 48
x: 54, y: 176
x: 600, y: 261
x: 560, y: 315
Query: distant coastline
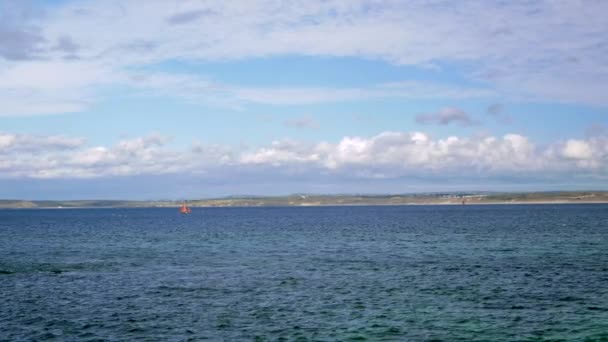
x: 301, y: 200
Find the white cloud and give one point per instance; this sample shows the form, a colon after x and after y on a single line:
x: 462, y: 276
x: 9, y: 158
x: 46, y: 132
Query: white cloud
x: 40, y: 104
x: 398, y: 154
x: 47, y: 75
x: 388, y: 155
x: 60, y: 87
x: 577, y: 149
x: 519, y: 49
x: 530, y: 40
x: 47, y: 87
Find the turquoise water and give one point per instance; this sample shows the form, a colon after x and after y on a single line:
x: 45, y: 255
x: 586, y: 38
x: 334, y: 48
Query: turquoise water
x: 442, y: 273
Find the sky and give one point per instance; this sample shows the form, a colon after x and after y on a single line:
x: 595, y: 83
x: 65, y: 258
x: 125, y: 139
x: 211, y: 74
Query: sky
x: 209, y: 98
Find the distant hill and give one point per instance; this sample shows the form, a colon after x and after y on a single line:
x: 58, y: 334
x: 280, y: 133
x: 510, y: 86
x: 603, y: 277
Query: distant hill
x: 327, y: 200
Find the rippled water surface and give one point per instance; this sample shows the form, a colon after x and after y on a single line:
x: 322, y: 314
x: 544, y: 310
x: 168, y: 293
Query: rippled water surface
x: 451, y: 273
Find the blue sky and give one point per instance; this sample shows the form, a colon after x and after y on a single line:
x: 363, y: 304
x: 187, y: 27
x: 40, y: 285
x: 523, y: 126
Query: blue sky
x: 183, y: 99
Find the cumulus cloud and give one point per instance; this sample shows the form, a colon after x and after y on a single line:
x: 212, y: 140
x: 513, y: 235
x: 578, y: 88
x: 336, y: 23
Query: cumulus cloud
x: 388, y: 155
x: 446, y: 116
x: 393, y: 154
x: 577, y: 149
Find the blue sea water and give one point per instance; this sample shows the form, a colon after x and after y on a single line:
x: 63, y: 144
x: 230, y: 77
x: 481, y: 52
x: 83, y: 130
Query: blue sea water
x: 400, y: 273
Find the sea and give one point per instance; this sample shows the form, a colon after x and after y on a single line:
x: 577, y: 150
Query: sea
x: 344, y: 273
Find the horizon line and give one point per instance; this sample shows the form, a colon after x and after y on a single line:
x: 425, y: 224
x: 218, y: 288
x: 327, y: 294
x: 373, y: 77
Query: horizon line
x: 341, y: 194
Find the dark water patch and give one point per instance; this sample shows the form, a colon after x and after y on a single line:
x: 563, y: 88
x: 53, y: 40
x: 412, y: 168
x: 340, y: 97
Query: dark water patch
x: 595, y: 308
x: 570, y: 299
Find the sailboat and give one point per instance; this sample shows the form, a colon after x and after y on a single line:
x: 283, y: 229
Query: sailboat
x: 184, y: 209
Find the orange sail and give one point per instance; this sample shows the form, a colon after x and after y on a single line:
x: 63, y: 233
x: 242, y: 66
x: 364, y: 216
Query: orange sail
x: 184, y: 209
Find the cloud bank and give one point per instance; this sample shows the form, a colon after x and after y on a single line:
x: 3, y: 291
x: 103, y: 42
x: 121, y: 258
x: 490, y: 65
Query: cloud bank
x: 388, y: 155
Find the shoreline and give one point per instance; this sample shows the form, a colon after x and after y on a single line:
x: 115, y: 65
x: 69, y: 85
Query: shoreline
x: 306, y: 200
x: 312, y: 205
